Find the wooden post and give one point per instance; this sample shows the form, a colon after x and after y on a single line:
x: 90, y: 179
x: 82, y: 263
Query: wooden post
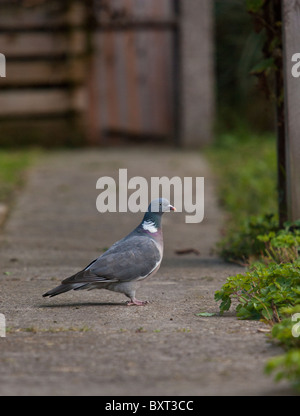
x: 291, y: 46
x: 197, y: 73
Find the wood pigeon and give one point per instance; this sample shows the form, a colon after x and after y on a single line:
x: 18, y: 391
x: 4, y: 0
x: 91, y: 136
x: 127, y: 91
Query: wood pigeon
x: 135, y: 257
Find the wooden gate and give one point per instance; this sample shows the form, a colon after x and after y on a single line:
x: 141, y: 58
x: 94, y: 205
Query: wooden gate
x: 104, y: 65
x: 132, y: 86
x: 91, y: 71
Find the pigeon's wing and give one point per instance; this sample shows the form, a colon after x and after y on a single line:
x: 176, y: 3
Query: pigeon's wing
x: 129, y: 259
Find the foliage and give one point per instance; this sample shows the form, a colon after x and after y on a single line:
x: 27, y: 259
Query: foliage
x: 282, y: 246
x: 245, y: 167
x: 254, y: 6
x: 245, y: 164
x: 266, y: 16
x: 241, y: 244
x: 237, y: 94
x: 284, y: 331
x: 263, y: 291
x: 270, y: 290
x: 287, y: 365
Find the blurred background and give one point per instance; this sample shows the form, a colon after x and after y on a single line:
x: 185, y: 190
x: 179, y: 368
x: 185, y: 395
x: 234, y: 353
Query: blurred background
x: 103, y: 72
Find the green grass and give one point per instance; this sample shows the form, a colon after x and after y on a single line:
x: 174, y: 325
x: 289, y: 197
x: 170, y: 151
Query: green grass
x: 245, y: 169
x: 13, y: 165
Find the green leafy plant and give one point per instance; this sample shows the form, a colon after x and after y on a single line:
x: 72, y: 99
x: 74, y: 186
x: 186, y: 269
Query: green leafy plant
x: 283, y: 246
x: 286, y: 332
x: 270, y: 291
x: 262, y: 292
x: 254, y: 6
x: 242, y: 244
x: 287, y: 365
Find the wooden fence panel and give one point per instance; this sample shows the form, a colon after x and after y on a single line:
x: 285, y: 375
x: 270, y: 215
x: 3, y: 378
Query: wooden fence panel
x: 24, y: 45
x: 134, y: 74
x: 20, y: 102
x: 40, y: 72
x: 45, y: 45
x: 114, y: 65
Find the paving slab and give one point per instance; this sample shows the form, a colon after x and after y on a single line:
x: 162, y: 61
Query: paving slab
x: 91, y: 343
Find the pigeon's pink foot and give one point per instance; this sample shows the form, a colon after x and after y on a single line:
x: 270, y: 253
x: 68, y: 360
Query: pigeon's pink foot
x: 137, y: 302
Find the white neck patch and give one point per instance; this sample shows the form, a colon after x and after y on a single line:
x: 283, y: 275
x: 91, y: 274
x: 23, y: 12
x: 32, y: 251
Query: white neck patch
x: 149, y: 226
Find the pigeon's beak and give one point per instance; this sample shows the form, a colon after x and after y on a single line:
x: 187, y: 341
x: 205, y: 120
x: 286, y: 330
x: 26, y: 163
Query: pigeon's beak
x: 172, y: 208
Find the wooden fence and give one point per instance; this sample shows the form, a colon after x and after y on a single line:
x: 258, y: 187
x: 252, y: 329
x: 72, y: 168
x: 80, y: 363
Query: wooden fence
x: 98, y: 70
x: 43, y: 94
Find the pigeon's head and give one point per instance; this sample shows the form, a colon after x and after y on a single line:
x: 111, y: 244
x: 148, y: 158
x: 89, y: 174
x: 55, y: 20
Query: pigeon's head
x: 161, y: 205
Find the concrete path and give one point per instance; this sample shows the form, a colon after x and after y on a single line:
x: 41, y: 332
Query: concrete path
x: 91, y: 343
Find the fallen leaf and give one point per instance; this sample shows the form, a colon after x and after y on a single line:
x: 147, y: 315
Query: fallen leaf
x: 187, y: 251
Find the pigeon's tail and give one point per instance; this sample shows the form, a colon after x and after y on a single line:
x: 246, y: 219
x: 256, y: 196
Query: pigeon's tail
x: 65, y: 287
